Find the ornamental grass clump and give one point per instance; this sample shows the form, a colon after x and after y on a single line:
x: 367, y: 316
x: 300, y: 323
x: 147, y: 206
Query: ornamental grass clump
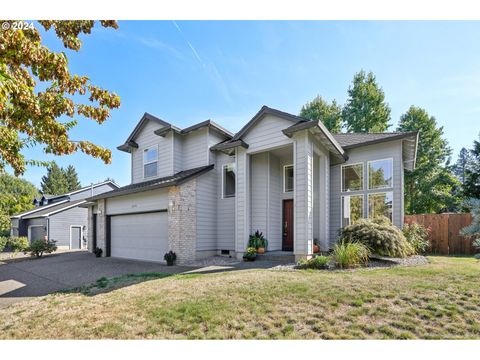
x: 350, y: 254
x: 379, y: 236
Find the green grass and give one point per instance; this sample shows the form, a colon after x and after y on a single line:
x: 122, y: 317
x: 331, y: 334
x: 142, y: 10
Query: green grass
x: 438, y: 301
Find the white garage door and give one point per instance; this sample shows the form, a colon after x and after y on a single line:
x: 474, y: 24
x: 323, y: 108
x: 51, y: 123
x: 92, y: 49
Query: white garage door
x: 139, y: 237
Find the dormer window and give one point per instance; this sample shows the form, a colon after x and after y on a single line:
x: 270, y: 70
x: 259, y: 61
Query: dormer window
x: 150, y: 162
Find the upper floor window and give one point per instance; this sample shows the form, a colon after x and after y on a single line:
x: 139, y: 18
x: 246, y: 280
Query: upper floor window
x: 288, y: 178
x: 380, y: 174
x: 150, y: 162
x: 352, y: 177
x: 228, y: 180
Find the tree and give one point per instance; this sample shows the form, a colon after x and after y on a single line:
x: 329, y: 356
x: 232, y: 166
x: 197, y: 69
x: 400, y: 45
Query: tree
x: 460, y: 167
x: 71, y: 177
x: 16, y: 195
x: 28, y: 114
x: 428, y: 188
x: 329, y: 114
x: 366, y: 110
x: 55, y: 182
x: 471, y: 186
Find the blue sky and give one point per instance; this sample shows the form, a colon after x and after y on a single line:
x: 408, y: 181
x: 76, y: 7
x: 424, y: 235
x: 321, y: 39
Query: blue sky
x: 189, y: 71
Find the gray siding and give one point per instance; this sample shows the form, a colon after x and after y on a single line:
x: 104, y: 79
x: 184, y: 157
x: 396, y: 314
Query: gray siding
x: 88, y: 192
x: 207, y: 211
x: 364, y: 154
x: 225, y: 208
x: 259, y: 193
x: 275, y: 205
x: 267, y: 133
x: 147, y: 139
x: 59, y: 224
x: 241, y: 200
x: 195, y: 151
x: 177, y: 153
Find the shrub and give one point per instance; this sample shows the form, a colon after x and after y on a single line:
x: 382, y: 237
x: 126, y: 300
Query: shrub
x: 472, y: 230
x: 38, y: 247
x: 257, y: 240
x: 379, y: 236
x: 250, y: 254
x: 18, y: 243
x: 417, y: 236
x: 170, y: 257
x: 3, y: 242
x: 316, y: 262
x: 350, y: 254
x: 98, y: 252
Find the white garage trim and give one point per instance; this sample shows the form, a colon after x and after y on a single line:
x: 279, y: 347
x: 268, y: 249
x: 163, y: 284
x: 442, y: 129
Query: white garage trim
x: 81, y: 235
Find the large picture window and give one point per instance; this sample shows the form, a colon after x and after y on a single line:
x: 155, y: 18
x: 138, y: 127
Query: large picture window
x: 150, y: 162
x: 352, y: 209
x: 288, y: 178
x: 228, y: 180
x: 380, y: 174
x: 352, y: 177
x: 380, y: 204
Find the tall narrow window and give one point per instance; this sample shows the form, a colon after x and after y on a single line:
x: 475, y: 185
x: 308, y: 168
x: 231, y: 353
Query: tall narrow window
x: 352, y: 209
x: 380, y: 204
x: 380, y: 174
x: 228, y: 180
x: 288, y: 178
x: 352, y: 177
x: 150, y: 162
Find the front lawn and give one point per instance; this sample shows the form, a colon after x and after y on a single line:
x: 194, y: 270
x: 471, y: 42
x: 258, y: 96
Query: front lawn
x: 439, y: 300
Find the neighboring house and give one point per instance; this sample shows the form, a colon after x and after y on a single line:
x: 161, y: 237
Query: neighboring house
x: 59, y: 217
x: 202, y: 190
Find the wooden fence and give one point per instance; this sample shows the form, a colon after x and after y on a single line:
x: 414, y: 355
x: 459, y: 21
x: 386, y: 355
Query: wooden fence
x: 444, y: 232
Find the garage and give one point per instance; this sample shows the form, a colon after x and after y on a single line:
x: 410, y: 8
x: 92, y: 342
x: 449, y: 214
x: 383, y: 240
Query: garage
x: 141, y: 236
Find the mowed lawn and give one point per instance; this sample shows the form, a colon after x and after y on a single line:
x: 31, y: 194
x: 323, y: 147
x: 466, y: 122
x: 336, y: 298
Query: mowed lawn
x: 437, y: 301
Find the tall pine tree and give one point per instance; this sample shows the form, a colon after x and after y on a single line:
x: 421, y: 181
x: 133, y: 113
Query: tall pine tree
x: 55, y: 182
x: 329, y: 114
x: 460, y: 167
x: 366, y: 110
x: 431, y: 186
x: 471, y: 186
x: 71, y: 177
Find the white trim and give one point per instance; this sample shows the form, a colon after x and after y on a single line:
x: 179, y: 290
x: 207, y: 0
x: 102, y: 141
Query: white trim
x: 368, y: 175
x: 341, y: 207
x: 363, y: 176
x: 81, y: 235
x: 29, y: 231
x: 38, y: 209
x: 150, y: 162
x: 65, y: 208
x: 295, y: 237
x: 223, y: 180
x: 377, y: 193
x: 284, y: 182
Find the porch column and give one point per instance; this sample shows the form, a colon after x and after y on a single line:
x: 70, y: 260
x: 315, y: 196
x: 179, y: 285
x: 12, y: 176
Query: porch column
x: 324, y: 191
x: 242, y: 203
x: 303, y: 196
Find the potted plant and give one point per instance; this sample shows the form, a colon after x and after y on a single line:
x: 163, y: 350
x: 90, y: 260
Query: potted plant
x: 170, y: 258
x: 98, y: 252
x: 250, y: 254
x: 258, y: 242
x: 316, y: 248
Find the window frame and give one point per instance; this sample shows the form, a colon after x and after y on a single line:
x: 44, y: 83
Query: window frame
x: 341, y: 177
x: 285, y: 191
x: 150, y: 162
x: 223, y: 180
x: 380, y: 189
x: 378, y: 193
x: 341, y: 206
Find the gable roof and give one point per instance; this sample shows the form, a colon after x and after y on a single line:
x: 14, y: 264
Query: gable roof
x: 58, y: 207
x: 351, y: 140
x: 207, y: 123
x: 176, y: 179
x: 37, y: 209
x: 130, y: 140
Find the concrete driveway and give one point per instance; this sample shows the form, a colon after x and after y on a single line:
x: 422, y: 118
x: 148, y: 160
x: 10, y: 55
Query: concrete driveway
x: 25, y: 278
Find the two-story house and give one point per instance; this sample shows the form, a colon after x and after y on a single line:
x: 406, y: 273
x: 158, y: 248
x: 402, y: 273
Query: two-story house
x: 203, y: 190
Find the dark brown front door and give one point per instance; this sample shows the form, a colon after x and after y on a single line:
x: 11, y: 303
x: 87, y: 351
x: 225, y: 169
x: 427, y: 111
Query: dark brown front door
x: 287, y: 224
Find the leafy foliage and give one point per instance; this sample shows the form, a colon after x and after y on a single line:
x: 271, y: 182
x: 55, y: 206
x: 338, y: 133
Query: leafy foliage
x: 250, y: 254
x: 366, y: 110
x: 18, y: 244
x: 379, y: 235
x: 98, y: 252
x: 463, y: 162
x: 329, y: 114
x: 59, y: 181
x: 170, y: 257
x: 16, y: 195
x: 3, y: 242
x: 417, y: 236
x: 316, y: 262
x: 28, y: 115
x: 257, y: 240
x: 38, y: 247
x: 471, y: 185
x: 72, y: 178
x: 473, y: 230
x: 350, y: 254
x: 430, y: 187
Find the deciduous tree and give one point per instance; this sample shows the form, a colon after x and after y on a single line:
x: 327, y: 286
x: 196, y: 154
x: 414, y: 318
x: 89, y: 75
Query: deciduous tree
x: 29, y: 113
x: 329, y: 114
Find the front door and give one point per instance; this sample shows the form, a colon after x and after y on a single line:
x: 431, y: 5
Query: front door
x: 287, y: 244
x: 76, y: 237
